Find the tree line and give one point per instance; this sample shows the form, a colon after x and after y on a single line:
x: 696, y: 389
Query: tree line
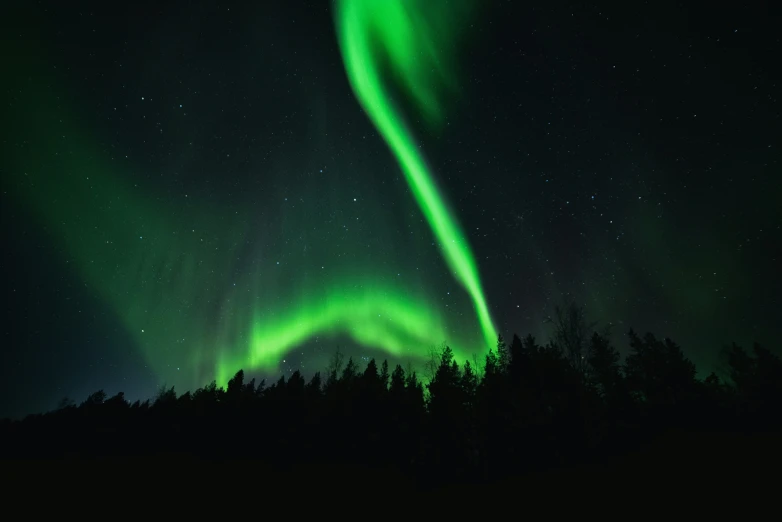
x: 525, y: 407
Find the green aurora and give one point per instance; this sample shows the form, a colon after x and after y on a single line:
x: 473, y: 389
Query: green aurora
x: 179, y: 277
x: 140, y: 253
x: 370, y: 30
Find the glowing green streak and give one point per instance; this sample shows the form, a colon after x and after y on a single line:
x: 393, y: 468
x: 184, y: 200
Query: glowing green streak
x: 408, y: 43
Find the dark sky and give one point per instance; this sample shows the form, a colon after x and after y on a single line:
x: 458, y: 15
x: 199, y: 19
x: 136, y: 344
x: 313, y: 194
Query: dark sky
x: 193, y: 187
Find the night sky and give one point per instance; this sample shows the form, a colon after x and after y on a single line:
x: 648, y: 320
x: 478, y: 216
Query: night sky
x: 191, y: 188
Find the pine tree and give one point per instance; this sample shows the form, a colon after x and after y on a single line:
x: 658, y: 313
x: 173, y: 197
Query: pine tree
x: 384, y: 376
x: 397, y: 388
x: 604, y: 368
x: 469, y: 385
x: 503, y: 355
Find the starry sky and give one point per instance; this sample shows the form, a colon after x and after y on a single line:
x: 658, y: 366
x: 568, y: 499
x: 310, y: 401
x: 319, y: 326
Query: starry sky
x: 191, y: 188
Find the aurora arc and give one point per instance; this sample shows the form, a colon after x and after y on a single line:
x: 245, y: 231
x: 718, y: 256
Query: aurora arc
x: 370, y: 30
x: 149, y: 263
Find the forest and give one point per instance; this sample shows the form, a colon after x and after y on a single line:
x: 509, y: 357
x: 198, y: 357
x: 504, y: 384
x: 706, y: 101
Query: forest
x: 569, y: 406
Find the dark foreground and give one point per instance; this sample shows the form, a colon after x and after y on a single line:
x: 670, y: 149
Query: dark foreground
x: 530, y: 420
x: 707, y: 469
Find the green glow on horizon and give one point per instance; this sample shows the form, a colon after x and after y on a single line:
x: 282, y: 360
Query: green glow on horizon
x: 370, y: 30
x: 370, y: 314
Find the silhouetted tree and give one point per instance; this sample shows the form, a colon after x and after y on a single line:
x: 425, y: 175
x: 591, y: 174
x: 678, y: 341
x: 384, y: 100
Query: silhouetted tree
x: 370, y: 381
x: 658, y: 373
x: 445, y: 397
x: 117, y: 402
x: 165, y: 396
x: 503, y: 355
x: 572, y: 333
x: 208, y: 395
x: 296, y: 386
x: 469, y: 384
x: 235, y: 385
x: 519, y: 360
x: 95, y: 399
x: 527, y: 407
x: 314, y: 387
x: 349, y: 374
x: 397, y: 388
x: 758, y: 384
x: 384, y: 375
x: 604, y: 369
x: 333, y: 372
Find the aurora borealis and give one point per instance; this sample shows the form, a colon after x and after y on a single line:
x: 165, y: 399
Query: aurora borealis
x: 147, y: 285
x: 197, y: 189
x: 401, y: 31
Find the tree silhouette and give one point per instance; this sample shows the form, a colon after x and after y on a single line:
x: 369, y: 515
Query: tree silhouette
x: 235, y: 385
x: 758, y: 384
x: 397, y: 388
x: 604, y: 369
x: 527, y: 408
x: 94, y: 399
x: 658, y: 373
x: 384, y: 375
x: 572, y: 333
